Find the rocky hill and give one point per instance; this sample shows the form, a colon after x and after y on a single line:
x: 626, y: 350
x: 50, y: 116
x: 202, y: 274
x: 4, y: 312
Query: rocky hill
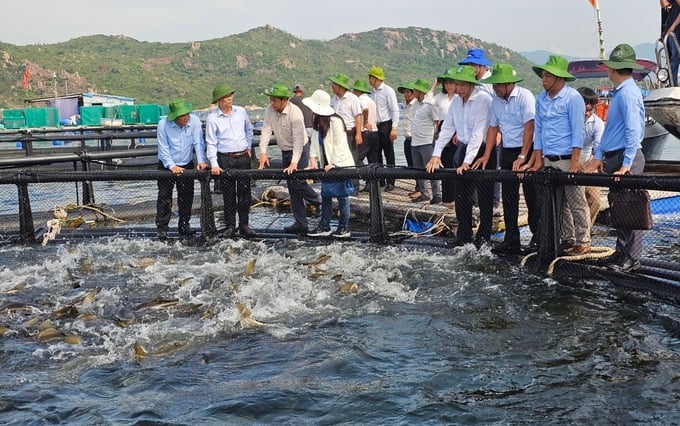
x: 250, y: 62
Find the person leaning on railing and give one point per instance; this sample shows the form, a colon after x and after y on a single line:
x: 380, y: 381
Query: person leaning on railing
x: 620, y: 151
x: 179, y: 135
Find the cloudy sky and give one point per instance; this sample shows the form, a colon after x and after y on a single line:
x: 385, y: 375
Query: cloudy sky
x: 562, y: 26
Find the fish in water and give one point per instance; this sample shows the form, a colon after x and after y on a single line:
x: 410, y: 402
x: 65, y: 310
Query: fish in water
x: 316, y: 262
x: 348, y: 287
x: 250, y: 268
x: 246, y: 320
x: 157, y: 303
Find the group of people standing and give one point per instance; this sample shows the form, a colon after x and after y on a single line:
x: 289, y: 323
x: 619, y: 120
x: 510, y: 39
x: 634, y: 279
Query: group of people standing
x: 311, y: 132
x: 482, y: 119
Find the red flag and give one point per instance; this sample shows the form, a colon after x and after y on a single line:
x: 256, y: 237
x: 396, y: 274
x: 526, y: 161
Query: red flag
x: 27, y: 78
x: 594, y: 3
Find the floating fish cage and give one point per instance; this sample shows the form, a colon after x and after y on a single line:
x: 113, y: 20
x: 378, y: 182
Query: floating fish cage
x: 106, y: 197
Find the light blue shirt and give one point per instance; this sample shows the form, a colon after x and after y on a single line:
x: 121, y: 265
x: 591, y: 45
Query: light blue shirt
x: 177, y: 145
x: 386, y: 105
x: 422, y: 126
x: 593, y: 137
x: 625, y: 126
x: 510, y: 116
x: 227, y: 133
x: 559, y: 124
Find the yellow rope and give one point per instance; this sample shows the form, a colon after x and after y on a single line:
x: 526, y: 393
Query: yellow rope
x: 595, y: 253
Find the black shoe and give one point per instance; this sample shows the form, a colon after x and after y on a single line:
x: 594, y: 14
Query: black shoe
x: 420, y: 199
x: 389, y: 187
x: 246, y: 231
x: 627, y: 265
x: 436, y: 200
x: 296, y: 229
x: 365, y: 188
x: 320, y: 232
x: 229, y: 232
x: 457, y: 242
x: 507, y: 247
x: 162, y: 235
x: 184, y: 229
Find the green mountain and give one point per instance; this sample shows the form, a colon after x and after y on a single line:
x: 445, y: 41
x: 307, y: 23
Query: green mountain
x: 250, y: 62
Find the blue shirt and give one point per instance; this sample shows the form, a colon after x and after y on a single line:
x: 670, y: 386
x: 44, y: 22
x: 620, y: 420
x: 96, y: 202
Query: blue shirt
x: 559, y: 124
x: 227, y: 133
x: 625, y: 126
x: 176, y: 145
x: 511, y: 115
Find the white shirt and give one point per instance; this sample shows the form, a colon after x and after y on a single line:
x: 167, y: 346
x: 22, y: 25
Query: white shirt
x: 469, y: 121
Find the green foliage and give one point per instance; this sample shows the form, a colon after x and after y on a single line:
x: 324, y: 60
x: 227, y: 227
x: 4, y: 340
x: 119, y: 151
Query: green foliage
x: 250, y: 62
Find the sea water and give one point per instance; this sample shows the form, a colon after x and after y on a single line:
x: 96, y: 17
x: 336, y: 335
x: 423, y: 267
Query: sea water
x: 118, y: 331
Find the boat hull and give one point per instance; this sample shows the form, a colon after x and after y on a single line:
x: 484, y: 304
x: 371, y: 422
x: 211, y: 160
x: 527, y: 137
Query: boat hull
x: 663, y: 105
x: 655, y: 141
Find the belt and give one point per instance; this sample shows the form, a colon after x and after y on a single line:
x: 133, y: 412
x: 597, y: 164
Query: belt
x: 558, y: 157
x: 609, y: 154
x: 238, y: 154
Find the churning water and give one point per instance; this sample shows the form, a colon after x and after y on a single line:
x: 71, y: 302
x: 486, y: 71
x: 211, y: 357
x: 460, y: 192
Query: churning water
x: 119, y: 331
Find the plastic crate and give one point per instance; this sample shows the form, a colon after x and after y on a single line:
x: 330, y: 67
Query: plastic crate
x: 52, y: 117
x: 127, y: 113
x: 109, y: 112
x: 14, y: 123
x: 91, y: 115
x: 13, y: 113
x: 36, y: 117
x: 148, y: 113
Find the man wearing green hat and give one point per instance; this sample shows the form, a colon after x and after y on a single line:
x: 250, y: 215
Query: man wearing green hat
x: 513, y: 109
x: 388, y: 111
x: 407, y: 121
x: 559, y: 132
x: 346, y: 104
x: 180, y: 136
x: 286, y: 121
x: 468, y: 118
x: 370, y: 145
x: 620, y: 150
x: 424, y: 122
x: 229, y: 138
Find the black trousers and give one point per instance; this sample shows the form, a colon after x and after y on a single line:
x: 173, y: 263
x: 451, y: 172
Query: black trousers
x: 466, y: 197
x: 235, y: 192
x: 369, y: 148
x: 185, y: 199
x: 298, y: 189
x: 386, y: 145
x: 510, y: 194
x: 449, y: 187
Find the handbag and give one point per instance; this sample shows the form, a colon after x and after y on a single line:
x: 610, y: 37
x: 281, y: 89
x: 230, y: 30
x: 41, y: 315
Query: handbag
x: 342, y: 188
x: 630, y: 209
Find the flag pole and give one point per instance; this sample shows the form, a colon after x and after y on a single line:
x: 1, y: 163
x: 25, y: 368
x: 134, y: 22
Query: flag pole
x: 599, y: 29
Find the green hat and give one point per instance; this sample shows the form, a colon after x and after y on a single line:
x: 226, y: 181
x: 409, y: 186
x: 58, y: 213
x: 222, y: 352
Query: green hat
x: 447, y: 75
x: 405, y: 87
x: 341, y: 80
x: 362, y: 86
x: 279, y: 91
x: 623, y: 56
x: 177, y: 108
x: 557, y: 66
x: 221, y: 91
x: 502, y: 73
x: 421, y: 85
x: 466, y: 73
x: 377, y: 72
